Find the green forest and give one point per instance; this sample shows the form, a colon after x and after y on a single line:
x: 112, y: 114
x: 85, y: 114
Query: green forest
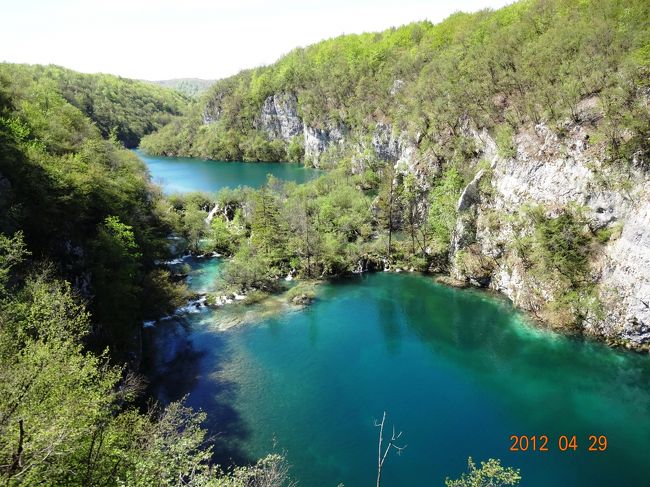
x: 192, y: 87
x: 82, y: 228
x: 120, y: 108
x: 529, y: 62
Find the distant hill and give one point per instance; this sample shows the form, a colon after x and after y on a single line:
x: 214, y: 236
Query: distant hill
x: 126, y: 108
x: 188, y: 86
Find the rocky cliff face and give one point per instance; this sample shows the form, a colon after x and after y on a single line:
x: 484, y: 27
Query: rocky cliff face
x: 212, y: 111
x: 625, y: 279
x: 556, y: 173
x: 318, y: 141
x: 279, y: 117
x: 279, y: 120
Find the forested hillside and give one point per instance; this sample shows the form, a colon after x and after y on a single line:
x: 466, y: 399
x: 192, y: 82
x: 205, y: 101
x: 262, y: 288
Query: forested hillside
x: 122, y: 108
x: 507, y: 148
x: 81, y: 227
x: 532, y: 61
x: 192, y: 87
x: 81, y: 202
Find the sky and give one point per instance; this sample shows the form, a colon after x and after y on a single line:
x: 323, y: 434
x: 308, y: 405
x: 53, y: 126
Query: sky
x: 210, y: 39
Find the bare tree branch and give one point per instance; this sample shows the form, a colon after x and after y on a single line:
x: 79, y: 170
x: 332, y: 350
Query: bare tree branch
x: 383, y: 454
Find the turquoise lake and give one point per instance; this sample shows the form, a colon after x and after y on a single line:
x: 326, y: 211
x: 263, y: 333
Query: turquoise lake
x: 457, y: 371
x: 182, y: 174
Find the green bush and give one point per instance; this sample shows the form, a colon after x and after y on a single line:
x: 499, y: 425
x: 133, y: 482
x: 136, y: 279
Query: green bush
x: 303, y: 291
x: 490, y: 473
x: 254, y: 297
x: 505, y: 140
x: 558, y: 254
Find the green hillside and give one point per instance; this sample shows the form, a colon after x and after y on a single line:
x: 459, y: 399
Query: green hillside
x: 120, y: 107
x: 81, y: 231
x: 529, y: 62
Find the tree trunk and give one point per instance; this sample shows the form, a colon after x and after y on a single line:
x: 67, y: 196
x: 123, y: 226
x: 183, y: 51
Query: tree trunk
x: 17, y: 460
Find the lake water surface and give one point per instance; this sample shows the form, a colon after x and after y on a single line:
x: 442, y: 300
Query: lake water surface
x: 457, y: 371
x: 182, y: 174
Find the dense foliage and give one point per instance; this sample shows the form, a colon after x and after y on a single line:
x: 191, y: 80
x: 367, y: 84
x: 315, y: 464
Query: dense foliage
x: 532, y: 61
x: 489, y: 474
x: 75, y: 207
x: 67, y: 416
x: 84, y: 203
x: 334, y: 225
x: 121, y: 108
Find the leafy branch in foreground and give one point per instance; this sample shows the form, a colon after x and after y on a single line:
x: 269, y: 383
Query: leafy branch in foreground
x: 68, y: 416
x: 489, y: 474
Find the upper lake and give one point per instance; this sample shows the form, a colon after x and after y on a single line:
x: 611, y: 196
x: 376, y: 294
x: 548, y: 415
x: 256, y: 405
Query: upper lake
x: 182, y: 174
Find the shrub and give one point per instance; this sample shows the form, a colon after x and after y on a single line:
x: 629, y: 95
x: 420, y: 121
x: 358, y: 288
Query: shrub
x: 255, y: 296
x: 504, y: 138
x: 303, y: 292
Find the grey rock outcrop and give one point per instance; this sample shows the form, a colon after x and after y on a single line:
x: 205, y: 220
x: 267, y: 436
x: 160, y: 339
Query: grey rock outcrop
x: 279, y: 120
x: 318, y: 141
x: 465, y: 231
x: 279, y: 117
x: 213, y: 110
x: 398, y: 84
x: 625, y: 279
x: 470, y: 195
x: 385, y: 144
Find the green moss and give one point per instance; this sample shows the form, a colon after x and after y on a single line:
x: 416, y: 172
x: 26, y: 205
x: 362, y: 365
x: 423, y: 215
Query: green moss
x: 303, y: 291
x: 254, y: 297
x: 605, y: 234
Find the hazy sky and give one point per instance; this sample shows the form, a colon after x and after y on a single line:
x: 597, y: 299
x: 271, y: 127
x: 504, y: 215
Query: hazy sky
x: 160, y: 39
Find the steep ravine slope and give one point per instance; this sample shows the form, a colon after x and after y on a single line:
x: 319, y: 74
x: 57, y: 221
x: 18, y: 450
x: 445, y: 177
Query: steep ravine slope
x: 547, y: 170
x: 541, y: 107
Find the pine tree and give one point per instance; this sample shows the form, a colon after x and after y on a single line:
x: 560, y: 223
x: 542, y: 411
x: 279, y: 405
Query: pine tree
x: 268, y: 230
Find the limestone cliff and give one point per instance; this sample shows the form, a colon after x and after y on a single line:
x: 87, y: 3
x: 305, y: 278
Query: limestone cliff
x: 318, y: 140
x: 555, y: 173
x: 279, y: 117
x: 279, y: 120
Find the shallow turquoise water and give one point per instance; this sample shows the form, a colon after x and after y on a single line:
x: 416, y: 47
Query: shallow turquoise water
x: 182, y: 174
x: 204, y: 272
x: 457, y: 371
